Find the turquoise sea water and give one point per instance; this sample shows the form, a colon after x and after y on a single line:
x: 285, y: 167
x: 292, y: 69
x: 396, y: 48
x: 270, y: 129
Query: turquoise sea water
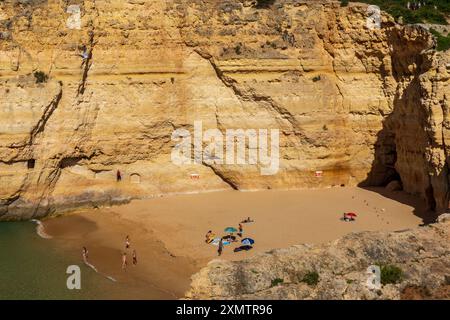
x: 35, y: 268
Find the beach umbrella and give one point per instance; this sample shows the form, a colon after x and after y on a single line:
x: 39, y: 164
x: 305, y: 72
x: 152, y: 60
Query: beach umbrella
x: 351, y: 214
x: 230, y: 230
x: 248, y: 241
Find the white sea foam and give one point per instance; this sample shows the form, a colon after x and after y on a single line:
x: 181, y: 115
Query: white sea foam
x: 95, y: 269
x: 40, y: 230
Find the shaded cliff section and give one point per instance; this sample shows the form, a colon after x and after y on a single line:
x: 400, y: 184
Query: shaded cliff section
x: 338, y: 270
x: 412, y: 146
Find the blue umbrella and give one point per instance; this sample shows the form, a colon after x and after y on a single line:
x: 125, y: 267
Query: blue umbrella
x: 230, y: 230
x: 248, y: 241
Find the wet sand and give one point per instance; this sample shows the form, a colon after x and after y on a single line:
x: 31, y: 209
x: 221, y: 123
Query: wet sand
x: 169, y: 232
x: 158, y: 275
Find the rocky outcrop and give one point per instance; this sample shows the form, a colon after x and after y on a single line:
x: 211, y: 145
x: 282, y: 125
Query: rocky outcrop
x: 343, y: 268
x: 363, y: 106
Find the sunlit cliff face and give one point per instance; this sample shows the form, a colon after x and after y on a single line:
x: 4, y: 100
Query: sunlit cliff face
x: 92, y: 87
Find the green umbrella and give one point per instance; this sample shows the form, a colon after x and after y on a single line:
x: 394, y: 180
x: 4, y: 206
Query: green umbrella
x: 230, y: 230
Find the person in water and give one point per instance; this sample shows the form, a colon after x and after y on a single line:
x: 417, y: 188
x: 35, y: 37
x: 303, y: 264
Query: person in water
x: 127, y: 242
x: 134, y: 258
x: 124, y: 261
x: 85, y: 254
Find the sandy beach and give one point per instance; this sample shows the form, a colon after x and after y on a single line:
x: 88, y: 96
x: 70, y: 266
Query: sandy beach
x: 169, y: 232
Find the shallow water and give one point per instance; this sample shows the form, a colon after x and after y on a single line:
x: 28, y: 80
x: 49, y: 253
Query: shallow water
x: 35, y: 268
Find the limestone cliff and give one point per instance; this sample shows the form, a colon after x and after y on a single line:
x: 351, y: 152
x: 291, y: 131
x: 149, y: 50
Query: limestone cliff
x: 342, y: 269
x: 365, y: 106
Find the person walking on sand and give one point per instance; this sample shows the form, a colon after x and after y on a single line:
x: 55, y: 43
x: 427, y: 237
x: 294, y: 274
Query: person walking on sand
x: 220, y: 247
x: 124, y: 261
x: 118, y: 176
x: 134, y: 258
x: 127, y: 242
x: 85, y: 254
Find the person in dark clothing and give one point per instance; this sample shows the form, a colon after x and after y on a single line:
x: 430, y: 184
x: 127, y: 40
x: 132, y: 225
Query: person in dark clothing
x: 134, y: 258
x: 119, y: 176
x: 220, y: 247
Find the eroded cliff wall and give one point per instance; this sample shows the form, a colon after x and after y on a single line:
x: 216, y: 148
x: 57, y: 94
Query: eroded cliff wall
x: 364, y: 106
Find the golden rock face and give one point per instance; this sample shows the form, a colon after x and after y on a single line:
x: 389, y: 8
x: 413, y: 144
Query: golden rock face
x: 363, y: 106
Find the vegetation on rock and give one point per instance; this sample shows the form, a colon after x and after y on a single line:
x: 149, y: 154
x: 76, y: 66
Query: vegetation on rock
x: 443, y: 42
x: 390, y: 274
x: 432, y: 11
x: 40, y: 76
x: 276, y: 282
x: 311, y: 278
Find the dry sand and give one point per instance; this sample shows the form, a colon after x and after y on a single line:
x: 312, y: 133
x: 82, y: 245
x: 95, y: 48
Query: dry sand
x: 168, y: 232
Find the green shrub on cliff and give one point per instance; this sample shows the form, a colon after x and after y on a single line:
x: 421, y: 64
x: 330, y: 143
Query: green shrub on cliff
x: 311, y: 278
x: 443, y: 42
x: 432, y: 11
x: 390, y: 274
x: 276, y: 282
x: 40, y: 76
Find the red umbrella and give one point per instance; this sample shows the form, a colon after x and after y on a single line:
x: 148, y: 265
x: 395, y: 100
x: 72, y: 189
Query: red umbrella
x: 351, y: 214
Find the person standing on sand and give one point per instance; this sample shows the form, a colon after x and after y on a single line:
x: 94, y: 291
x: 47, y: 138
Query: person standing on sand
x: 127, y: 242
x: 134, y: 258
x: 85, y: 254
x: 119, y: 176
x: 241, y: 230
x: 124, y: 261
x: 220, y: 247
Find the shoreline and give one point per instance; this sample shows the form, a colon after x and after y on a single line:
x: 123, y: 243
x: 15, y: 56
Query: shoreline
x: 168, y: 231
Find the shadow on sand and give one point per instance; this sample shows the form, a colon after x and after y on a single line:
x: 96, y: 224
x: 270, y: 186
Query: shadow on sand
x: 420, y: 207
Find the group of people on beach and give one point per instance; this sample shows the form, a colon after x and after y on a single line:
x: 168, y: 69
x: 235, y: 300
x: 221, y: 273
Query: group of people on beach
x: 210, y: 236
x: 85, y: 254
x: 125, y: 255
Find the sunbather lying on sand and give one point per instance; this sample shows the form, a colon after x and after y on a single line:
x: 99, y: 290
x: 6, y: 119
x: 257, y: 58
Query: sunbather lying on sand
x: 248, y: 220
x: 209, y: 237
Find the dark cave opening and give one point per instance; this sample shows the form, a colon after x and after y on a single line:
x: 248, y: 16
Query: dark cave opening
x: 31, y: 163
